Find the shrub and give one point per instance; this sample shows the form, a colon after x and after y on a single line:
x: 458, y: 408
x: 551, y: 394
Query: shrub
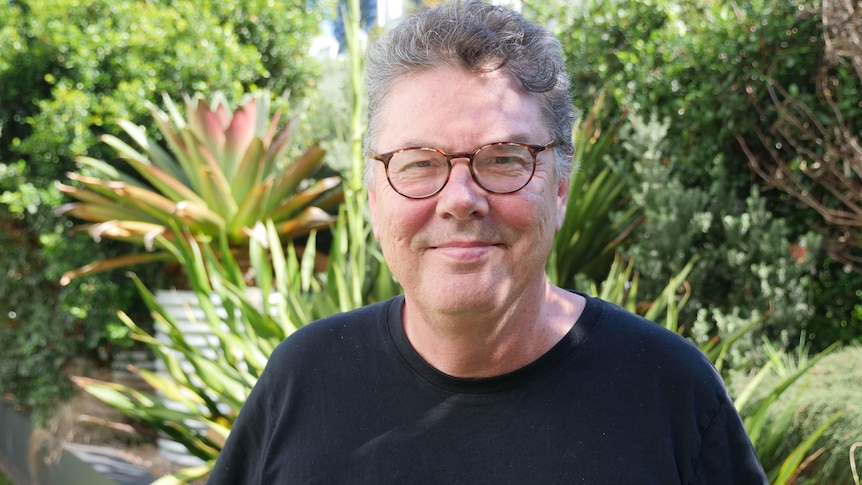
x: 746, y: 263
x: 689, y: 70
x: 355, y: 275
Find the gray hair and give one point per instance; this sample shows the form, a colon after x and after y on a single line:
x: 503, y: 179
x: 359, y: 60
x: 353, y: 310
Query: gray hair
x: 482, y: 38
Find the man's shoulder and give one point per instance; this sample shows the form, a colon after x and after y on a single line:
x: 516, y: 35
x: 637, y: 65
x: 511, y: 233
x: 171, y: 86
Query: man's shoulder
x: 631, y: 337
x: 640, y: 358
x: 375, y: 312
x: 626, y: 326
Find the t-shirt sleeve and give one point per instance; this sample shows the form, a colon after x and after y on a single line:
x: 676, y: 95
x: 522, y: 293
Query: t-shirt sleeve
x: 727, y: 456
x: 239, y: 460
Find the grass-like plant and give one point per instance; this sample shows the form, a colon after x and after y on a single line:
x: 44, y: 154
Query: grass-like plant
x: 247, y: 326
x: 832, y: 388
x: 219, y: 172
x: 598, y: 218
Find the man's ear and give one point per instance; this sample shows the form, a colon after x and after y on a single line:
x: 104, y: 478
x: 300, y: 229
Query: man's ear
x: 372, y: 206
x: 562, y: 198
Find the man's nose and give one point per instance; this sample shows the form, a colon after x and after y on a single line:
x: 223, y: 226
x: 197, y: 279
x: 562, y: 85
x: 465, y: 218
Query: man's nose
x: 462, y: 197
x: 461, y: 170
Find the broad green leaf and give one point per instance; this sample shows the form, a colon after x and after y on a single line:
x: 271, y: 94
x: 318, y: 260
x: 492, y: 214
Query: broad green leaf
x: 219, y: 381
x: 158, y: 156
x: 789, y: 467
x: 279, y: 145
x: 310, y: 219
x: 82, y: 195
x: 251, y: 170
x: 307, y: 197
x: 162, y: 180
x: 250, y: 210
x: 290, y: 178
x: 177, y: 144
x: 103, y: 212
x: 106, y: 170
x: 186, y: 475
x: 112, y: 263
x: 238, y: 137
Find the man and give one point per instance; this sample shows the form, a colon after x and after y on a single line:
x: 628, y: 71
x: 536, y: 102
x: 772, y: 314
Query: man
x: 483, y: 372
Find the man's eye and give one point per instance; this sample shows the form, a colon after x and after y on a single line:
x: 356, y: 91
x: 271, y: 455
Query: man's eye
x: 507, y: 160
x: 417, y: 164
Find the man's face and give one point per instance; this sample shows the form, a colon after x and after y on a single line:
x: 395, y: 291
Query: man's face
x: 466, y: 250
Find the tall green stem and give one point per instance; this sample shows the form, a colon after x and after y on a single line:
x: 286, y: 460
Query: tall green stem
x: 355, y: 193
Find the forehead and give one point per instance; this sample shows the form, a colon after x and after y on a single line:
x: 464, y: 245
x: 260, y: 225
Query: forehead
x: 458, y: 110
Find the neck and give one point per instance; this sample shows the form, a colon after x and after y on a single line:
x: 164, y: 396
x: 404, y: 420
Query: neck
x: 496, y: 342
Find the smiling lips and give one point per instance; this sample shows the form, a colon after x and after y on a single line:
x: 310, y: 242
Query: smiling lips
x: 464, y: 251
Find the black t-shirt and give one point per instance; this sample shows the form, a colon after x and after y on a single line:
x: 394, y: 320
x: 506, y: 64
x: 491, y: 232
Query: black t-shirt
x: 619, y: 400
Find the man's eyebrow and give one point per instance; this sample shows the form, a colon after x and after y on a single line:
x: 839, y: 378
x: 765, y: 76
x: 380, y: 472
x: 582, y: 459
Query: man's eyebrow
x: 416, y: 143
x: 522, y: 138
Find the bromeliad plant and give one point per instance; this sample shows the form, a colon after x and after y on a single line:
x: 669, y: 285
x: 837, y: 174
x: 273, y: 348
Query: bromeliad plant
x: 221, y: 171
x: 246, y: 329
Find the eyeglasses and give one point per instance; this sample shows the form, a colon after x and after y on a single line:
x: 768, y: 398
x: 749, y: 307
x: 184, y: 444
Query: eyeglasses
x: 501, y: 168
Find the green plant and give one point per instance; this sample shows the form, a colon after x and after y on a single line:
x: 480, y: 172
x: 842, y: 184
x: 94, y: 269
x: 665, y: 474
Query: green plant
x: 832, y: 388
x: 288, y: 294
x: 247, y: 331
x: 839, y: 306
x: 697, y: 69
x: 620, y: 286
x: 248, y: 328
x: 598, y: 216
x: 44, y: 326
x: 749, y: 263
x: 767, y: 407
x: 69, y: 69
x: 222, y: 172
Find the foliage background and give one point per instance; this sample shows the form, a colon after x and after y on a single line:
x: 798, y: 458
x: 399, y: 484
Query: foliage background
x: 68, y: 70
x: 683, y: 75
x: 831, y: 387
x: 680, y: 79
